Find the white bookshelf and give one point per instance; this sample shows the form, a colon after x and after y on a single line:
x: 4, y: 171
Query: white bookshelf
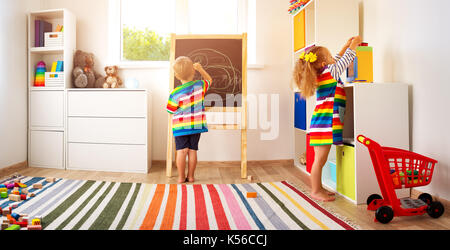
x: 47, y: 105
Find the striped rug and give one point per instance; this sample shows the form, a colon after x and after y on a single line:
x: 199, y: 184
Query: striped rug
x: 96, y: 205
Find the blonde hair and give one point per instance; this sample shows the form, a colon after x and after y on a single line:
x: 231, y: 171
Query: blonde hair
x: 305, y: 72
x: 184, y: 68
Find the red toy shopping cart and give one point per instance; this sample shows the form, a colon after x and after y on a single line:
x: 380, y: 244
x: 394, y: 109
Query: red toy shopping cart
x: 395, y: 169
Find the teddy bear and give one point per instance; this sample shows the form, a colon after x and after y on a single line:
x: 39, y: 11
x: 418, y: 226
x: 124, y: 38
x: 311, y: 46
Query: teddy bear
x: 112, y: 80
x: 83, y: 74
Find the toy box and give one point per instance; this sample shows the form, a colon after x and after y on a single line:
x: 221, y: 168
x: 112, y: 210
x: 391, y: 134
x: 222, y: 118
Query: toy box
x: 361, y: 70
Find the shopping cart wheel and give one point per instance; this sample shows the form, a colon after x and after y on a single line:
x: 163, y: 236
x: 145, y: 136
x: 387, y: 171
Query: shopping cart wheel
x: 426, y: 198
x: 435, y: 209
x: 373, y: 197
x: 384, y: 214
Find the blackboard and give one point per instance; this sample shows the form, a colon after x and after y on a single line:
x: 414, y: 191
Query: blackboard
x: 222, y: 59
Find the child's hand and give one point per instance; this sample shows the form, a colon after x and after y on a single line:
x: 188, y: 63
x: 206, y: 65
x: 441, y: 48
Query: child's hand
x: 349, y: 42
x: 197, y: 66
x: 355, y: 42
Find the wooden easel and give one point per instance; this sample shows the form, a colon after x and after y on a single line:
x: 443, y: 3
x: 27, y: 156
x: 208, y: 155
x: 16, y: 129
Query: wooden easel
x: 242, y: 110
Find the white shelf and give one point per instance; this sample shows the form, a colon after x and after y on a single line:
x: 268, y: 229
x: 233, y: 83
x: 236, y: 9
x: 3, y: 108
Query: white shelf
x: 46, y: 88
x: 47, y: 50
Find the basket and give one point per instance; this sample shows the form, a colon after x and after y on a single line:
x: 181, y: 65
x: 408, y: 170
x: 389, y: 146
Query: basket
x: 54, y: 79
x: 408, y: 169
x: 53, y: 39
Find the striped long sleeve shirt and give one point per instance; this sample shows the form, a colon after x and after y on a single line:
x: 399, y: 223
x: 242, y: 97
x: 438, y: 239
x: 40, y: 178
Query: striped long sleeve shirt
x: 342, y: 63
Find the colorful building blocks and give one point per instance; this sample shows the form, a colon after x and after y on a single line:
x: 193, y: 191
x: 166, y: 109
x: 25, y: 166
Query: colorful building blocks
x: 35, y: 222
x: 34, y: 227
x: 13, y: 228
x: 252, y: 195
x: 14, y: 197
x: 50, y: 179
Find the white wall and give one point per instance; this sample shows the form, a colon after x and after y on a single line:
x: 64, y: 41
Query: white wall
x: 411, y: 45
x: 13, y: 84
x: 274, y: 36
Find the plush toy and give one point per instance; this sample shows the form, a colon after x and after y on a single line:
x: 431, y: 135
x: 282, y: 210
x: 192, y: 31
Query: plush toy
x: 84, y: 75
x: 112, y: 80
x: 302, y: 159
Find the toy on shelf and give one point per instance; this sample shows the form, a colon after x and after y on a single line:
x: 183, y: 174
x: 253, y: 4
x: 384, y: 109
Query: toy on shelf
x: 296, y: 5
x: 361, y: 70
x: 112, y: 80
x: 396, y: 169
x: 40, y: 74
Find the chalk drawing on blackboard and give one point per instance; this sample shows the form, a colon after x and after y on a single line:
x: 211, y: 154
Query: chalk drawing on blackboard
x: 227, y: 78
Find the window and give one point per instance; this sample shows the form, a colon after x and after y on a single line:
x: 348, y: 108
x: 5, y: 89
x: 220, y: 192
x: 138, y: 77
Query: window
x: 140, y: 29
x: 146, y: 28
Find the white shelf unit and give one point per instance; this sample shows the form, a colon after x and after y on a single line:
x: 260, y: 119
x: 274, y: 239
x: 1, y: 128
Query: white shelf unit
x: 47, y: 105
x: 380, y: 112
x: 327, y: 23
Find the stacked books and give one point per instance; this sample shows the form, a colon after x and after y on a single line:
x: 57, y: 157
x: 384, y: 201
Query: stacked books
x: 40, y: 28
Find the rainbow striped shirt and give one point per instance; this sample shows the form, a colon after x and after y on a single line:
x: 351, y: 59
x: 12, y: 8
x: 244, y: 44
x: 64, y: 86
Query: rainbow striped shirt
x: 186, y: 103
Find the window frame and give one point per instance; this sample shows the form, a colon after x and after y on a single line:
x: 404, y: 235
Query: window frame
x: 116, y: 35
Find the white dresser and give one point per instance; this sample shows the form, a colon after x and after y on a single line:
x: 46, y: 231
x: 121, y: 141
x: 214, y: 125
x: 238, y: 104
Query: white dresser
x: 107, y: 130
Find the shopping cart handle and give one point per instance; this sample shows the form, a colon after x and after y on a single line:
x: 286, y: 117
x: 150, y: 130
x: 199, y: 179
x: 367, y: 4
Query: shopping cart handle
x: 364, y: 140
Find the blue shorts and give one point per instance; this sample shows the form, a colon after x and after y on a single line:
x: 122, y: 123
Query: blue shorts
x: 187, y: 141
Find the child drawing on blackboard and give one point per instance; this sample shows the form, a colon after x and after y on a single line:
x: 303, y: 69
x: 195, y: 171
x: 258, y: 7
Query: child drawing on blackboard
x: 317, y: 72
x: 186, y: 104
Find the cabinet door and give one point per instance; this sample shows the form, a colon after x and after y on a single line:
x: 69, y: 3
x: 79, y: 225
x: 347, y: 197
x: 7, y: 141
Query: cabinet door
x: 345, y: 176
x: 47, y: 149
x: 299, y: 31
x: 47, y: 109
x: 300, y: 112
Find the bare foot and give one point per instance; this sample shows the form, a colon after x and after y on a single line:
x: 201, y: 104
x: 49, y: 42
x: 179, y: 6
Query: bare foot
x: 190, y: 179
x: 328, y: 192
x: 322, y: 196
x: 181, y: 180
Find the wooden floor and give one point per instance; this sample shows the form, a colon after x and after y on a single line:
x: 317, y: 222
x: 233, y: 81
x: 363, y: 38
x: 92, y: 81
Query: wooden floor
x: 228, y: 173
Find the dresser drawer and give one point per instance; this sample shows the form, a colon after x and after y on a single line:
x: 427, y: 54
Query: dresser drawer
x: 107, y: 130
x: 107, y: 157
x: 107, y: 103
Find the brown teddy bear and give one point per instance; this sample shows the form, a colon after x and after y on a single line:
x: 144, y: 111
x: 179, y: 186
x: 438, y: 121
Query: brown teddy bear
x: 83, y: 74
x: 112, y: 80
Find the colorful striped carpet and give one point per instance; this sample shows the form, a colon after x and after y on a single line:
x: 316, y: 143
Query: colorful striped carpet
x: 96, y: 205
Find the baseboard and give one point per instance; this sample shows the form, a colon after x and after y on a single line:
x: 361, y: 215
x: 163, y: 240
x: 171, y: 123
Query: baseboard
x: 13, y: 169
x: 415, y: 193
x: 289, y: 162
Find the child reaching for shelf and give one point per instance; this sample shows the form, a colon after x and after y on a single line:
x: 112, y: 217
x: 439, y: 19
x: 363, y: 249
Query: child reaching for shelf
x: 318, y: 72
x: 186, y: 104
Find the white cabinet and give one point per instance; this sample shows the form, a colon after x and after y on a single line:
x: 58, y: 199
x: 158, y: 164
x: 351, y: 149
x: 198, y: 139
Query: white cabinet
x: 47, y: 109
x: 47, y: 149
x: 107, y: 130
